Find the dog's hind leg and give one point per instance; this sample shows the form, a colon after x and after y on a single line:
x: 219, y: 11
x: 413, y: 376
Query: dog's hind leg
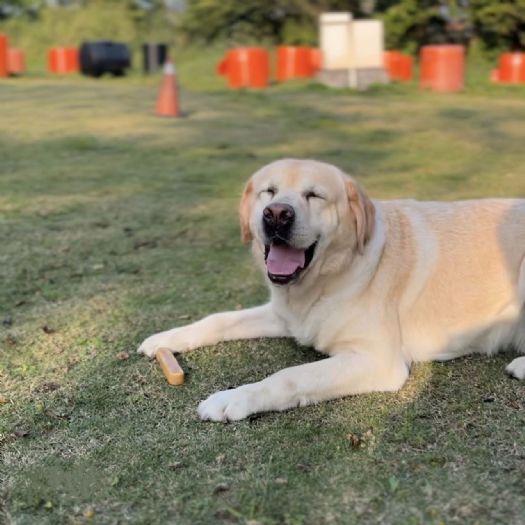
x: 516, y: 368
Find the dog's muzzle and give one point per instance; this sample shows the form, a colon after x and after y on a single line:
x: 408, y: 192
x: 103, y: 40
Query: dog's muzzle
x: 278, y: 219
x: 284, y: 262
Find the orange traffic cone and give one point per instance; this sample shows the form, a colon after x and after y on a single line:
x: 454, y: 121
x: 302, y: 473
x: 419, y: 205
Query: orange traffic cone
x: 167, y: 101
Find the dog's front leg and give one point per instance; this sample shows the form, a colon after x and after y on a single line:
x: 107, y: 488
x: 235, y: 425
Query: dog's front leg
x: 338, y: 376
x: 251, y: 323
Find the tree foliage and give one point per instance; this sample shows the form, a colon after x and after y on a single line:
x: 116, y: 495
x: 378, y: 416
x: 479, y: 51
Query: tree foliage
x: 414, y: 23
x: 500, y: 25
x: 409, y: 24
x: 283, y: 21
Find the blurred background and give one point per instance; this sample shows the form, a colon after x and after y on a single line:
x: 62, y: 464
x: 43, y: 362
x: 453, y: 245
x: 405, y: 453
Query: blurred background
x: 487, y: 27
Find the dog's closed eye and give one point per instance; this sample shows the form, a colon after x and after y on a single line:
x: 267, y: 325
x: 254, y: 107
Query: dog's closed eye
x: 310, y: 194
x: 271, y: 190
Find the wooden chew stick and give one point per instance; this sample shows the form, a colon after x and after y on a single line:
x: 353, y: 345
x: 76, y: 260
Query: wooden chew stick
x: 172, y: 370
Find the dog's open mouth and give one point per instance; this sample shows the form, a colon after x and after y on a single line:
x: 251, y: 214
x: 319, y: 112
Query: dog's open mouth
x: 285, y: 263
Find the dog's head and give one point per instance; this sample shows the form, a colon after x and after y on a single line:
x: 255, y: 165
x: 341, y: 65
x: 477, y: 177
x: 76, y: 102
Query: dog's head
x: 304, y: 214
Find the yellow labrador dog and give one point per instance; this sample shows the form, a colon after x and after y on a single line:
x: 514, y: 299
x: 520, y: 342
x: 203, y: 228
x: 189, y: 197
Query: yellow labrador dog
x: 376, y: 285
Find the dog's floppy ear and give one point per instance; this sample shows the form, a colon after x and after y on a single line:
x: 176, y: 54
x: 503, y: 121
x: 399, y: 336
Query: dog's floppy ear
x: 244, y: 212
x: 364, y: 212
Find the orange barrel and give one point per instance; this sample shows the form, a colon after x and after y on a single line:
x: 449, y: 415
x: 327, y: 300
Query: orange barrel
x: 57, y: 60
x: 512, y: 68
x: 72, y: 61
x: 442, y: 68
x: 424, y: 67
x: 398, y: 65
x: 316, y: 58
x: 16, y: 61
x: 391, y: 61
x: 246, y: 67
x: 406, y: 65
x: 3, y: 55
x: 296, y: 62
x: 222, y: 67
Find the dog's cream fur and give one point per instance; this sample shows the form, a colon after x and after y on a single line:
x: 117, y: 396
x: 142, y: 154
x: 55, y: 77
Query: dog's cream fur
x: 390, y: 283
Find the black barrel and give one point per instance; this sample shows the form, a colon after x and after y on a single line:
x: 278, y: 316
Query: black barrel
x: 154, y: 56
x: 97, y: 58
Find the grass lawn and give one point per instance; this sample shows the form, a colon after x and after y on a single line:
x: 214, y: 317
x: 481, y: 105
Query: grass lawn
x: 115, y: 224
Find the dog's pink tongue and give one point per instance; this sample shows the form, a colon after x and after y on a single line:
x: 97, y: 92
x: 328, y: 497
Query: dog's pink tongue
x: 284, y: 260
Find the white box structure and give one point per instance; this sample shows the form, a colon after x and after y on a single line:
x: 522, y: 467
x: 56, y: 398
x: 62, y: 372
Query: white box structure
x: 367, y: 44
x: 352, y: 51
x: 335, y: 36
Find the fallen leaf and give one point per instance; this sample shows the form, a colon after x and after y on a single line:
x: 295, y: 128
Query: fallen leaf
x: 122, y: 356
x: 11, y: 340
x: 152, y: 243
x: 221, y: 487
x: 48, y: 387
x: 355, y: 440
x: 175, y: 466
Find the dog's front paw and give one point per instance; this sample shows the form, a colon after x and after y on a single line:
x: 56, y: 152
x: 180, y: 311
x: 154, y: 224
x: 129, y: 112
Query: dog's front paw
x: 151, y: 344
x: 229, y: 405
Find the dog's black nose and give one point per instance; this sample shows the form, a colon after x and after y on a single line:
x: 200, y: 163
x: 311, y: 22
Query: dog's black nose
x: 278, y: 217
